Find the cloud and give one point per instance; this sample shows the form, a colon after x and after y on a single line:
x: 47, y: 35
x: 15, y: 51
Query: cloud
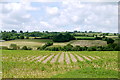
x: 65, y: 16
x: 52, y: 10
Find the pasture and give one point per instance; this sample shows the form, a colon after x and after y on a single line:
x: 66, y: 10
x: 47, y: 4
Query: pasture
x: 34, y: 43
x: 58, y: 64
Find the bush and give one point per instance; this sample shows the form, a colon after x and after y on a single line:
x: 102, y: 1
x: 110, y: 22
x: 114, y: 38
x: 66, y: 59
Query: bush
x: 54, y: 48
x: 63, y: 37
x: 4, y: 48
x: 14, y: 47
x: 110, y: 40
x: 26, y: 48
x: 21, y: 37
x: 91, y: 48
x: 77, y: 48
x: 27, y: 37
x: 46, y: 45
x: 29, y: 48
x: 40, y: 48
x: 68, y: 47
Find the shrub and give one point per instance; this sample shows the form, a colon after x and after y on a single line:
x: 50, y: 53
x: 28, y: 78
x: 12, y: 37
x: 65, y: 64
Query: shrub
x: 14, y: 47
x: 21, y: 37
x: 63, y: 37
x: 27, y: 37
x: 68, y: 47
x: 4, y: 48
x: 91, y: 48
x: 29, y: 48
x: 39, y: 48
x: 110, y: 40
x: 24, y: 48
x: 46, y: 45
x: 77, y: 48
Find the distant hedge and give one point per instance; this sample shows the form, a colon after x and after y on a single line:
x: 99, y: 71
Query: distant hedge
x: 63, y: 37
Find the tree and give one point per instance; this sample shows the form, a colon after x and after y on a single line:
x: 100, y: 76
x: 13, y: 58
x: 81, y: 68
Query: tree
x: 110, y: 40
x: 68, y: 47
x: 27, y: 37
x: 21, y: 31
x: 13, y: 31
x: 21, y: 37
x: 14, y: 47
x: 24, y: 48
x: 63, y: 37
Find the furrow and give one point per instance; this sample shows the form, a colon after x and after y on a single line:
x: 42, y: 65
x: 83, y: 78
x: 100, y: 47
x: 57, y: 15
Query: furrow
x: 73, y: 58
x: 91, y: 57
x: 54, y: 59
x: 61, y: 58
x: 28, y: 58
x: 41, y: 58
x: 80, y: 58
x: 87, y: 58
x: 46, y: 60
x: 98, y: 57
x: 36, y: 58
x: 67, y: 59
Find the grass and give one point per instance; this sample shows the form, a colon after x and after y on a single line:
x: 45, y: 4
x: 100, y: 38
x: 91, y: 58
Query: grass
x: 88, y: 72
x: 35, y: 43
x: 79, y: 37
x: 88, y: 43
x: 14, y: 65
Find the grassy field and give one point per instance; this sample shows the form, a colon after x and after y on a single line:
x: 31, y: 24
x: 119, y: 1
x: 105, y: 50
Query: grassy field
x: 79, y: 37
x: 57, y: 64
x: 34, y: 43
x: 89, y: 43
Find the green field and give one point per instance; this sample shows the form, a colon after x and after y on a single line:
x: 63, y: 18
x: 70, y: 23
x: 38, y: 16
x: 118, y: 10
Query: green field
x: 79, y: 37
x: 34, y: 43
x: 57, y: 64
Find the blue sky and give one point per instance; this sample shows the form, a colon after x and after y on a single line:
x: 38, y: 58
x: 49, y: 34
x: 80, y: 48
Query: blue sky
x: 59, y: 16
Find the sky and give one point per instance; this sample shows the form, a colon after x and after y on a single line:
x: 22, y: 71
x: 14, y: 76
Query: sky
x: 59, y: 16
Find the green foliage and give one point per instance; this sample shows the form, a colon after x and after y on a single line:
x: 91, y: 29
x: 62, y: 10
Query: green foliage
x: 45, y: 46
x: 4, y: 48
x: 26, y: 48
x: 110, y: 40
x: 16, y: 62
x: 91, y: 49
x: 21, y: 37
x: 14, y: 47
x: 43, y: 68
x: 27, y: 37
x: 63, y: 37
x: 88, y: 72
x: 68, y: 47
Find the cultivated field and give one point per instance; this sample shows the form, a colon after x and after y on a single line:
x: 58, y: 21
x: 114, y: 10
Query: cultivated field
x: 34, y: 43
x: 58, y: 64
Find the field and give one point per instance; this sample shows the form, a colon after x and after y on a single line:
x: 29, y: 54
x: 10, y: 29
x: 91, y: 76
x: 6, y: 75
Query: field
x: 58, y: 64
x: 34, y: 43
x: 79, y: 37
x: 89, y: 43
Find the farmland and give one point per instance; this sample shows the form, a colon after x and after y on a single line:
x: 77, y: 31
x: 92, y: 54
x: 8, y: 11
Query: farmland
x: 59, y: 64
x: 34, y: 43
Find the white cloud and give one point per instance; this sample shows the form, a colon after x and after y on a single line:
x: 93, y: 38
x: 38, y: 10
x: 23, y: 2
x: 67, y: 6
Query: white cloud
x: 73, y: 15
x: 45, y: 24
x: 52, y: 10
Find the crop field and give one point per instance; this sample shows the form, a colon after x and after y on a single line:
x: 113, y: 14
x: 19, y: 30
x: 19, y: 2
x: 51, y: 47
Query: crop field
x: 89, y: 43
x: 34, y: 43
x: 79, y: 37
x: 59, y: 64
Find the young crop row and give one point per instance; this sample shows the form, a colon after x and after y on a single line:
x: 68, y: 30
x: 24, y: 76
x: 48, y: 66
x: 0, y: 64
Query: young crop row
x: 63, y: 57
